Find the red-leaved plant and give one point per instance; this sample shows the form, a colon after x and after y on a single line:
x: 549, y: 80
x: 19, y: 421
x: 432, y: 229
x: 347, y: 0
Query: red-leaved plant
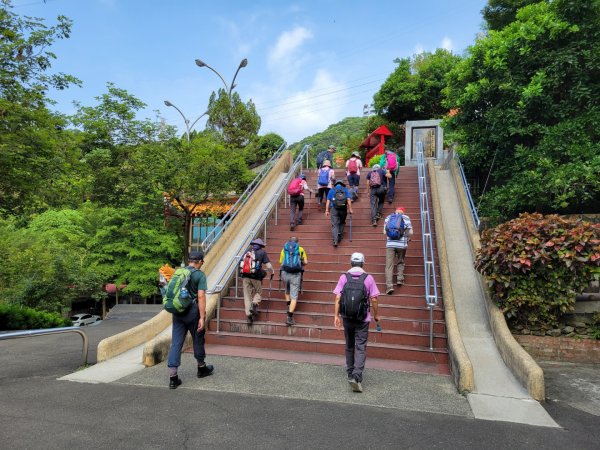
x: 536, y: 264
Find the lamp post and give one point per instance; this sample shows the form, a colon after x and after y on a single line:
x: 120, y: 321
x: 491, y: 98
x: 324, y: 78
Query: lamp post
x: 188, y: 127
x: 228, y: 87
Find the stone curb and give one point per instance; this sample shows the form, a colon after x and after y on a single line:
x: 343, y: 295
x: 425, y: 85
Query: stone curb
x: 460, y: 363
x: 521, y: 363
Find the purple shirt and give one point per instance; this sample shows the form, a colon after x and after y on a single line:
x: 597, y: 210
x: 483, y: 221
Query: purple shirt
x: 369, y: 284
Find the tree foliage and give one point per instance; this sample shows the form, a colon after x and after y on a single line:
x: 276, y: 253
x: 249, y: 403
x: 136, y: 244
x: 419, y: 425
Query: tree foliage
x: 414, y: 90
x: 499, y: 13
x: 527, y: 101
x: 235, y: 122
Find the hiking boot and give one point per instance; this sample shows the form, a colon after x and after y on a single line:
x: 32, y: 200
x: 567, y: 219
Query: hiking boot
x: 289, y: 321
x: 374, y: 223
x: 254, y: 309
x: 378, y: 216
x: 389, y: 291
x: 292, y: 226
x: 335, y: 244
x: 205, y: 370
x: 299, y: 222
x: 355, y: 385
x: 174, y: 381
x: 400, y: 282
x: 249, y: 320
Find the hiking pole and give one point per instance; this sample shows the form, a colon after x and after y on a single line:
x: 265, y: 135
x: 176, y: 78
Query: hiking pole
x: 350, y: 227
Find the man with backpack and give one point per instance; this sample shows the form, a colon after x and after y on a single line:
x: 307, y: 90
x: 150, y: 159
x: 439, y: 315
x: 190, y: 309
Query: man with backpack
x: 292, y: 260
x: 253, y: 266
x: 353, y: 166
x: 338, y: 206
x: 326, y: 155
x: 296, y: 190
x: 390, y: 163
x: 185, y: 297
x: 377, y: 187
x: 398, y: 231
x: 325, y: 179
x: 355, y: 295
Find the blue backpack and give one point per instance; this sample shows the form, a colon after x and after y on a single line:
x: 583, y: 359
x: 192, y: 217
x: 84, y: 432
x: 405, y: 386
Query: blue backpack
x: 323, y: 180
x: 292, y: 263
x: 395, y: 227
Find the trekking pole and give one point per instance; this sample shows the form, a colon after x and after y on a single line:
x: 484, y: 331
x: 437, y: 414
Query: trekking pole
x: 270, y: 289
x: 309, y: 202
x: 350, y: 227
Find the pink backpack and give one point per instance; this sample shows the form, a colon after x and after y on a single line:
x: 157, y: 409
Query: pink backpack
x: 390, y: 159
x: 295, y: 187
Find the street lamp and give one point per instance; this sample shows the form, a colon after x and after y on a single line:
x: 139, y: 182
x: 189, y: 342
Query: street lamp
x: 228, y: 87
x: 188, y: 127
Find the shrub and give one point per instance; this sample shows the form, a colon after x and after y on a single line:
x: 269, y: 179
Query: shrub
x: 14, y: 317
x: 535, y: 265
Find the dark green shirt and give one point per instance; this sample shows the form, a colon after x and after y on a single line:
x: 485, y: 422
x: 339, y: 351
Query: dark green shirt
x: 197, y: 283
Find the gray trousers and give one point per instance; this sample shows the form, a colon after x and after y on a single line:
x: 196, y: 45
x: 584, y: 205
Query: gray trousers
x: 338, y: 221
x: 377, y: 197
x: 390, y: 260
x: 298, y: 201
x: 356, y: 334
x: 252, y: 293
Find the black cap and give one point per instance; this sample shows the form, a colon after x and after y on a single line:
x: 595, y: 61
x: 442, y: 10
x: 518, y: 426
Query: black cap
x: 196, y: 255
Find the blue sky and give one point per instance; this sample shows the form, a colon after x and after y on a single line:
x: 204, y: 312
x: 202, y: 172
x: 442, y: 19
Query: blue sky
x: 310, y: 63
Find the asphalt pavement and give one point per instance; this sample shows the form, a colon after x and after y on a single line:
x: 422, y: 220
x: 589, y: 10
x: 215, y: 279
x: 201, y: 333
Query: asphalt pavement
x: 251, y: 403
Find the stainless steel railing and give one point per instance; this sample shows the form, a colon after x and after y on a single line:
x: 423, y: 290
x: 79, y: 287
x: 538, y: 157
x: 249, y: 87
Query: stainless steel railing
x: 472, y: 207
x: 260, y: 224
x: 222, y: 225
x: 431, y: 296
x: 32, y: 333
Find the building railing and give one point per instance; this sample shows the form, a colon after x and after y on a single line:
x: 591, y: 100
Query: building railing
x: 431, y: 296
x: 260, y: 225
x: 47, y: 331
x: 472, y: 207
x: 222, y: 225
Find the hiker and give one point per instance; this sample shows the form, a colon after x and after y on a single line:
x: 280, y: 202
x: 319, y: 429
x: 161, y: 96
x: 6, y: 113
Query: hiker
x: 377, y: 187
x: 398, y: 231
x: 326, y: 155
x: 296, y: 190
x: 390, y: 163
x: 292, y: 259
x: 192, y: 320
x: 356, y: 316
x: 325, y: 179
x: 353, y: 166
x: 253, y: 267
x: 338, y: 206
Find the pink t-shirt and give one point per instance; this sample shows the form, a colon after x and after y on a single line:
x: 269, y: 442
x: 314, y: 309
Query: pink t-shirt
x: 369, y: 284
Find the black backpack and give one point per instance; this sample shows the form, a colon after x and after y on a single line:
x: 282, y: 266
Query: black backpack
x: 339, y: 198
x: 354, y: 302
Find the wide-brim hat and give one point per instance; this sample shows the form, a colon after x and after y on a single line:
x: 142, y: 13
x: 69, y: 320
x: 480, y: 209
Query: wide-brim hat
x: 340, y: 182
x: 331, y: 147
x: 356, y: 154
x: 326, y: 163
x: 258, y: 241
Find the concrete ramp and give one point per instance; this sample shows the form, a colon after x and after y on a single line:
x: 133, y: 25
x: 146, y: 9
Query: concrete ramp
x: 498, y: 395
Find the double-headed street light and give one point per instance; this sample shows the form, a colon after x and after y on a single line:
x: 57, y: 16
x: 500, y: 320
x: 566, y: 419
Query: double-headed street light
x: 188, y: 127
x: 230, y: 87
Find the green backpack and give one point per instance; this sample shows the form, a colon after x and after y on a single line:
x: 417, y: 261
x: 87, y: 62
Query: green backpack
x: 177, y: 298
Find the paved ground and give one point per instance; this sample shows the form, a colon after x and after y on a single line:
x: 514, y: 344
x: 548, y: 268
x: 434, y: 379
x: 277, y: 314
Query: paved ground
x: 256, y: 404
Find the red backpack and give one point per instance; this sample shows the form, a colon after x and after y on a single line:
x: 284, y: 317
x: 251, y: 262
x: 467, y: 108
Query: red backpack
x: 295, y: 187
x: 352, y: 165
x: 375, y: 178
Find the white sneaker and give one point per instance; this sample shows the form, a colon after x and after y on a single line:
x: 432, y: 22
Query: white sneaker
x: 356, y: 386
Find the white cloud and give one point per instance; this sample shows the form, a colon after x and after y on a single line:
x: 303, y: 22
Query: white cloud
x: 447, y: 43
x: 287, y: 45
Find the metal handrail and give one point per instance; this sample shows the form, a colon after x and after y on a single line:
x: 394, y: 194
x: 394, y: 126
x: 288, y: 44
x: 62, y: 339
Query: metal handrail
x: 222, y: 225
x: 32, y: 333
x: 230, y: 269
x: 472, y: 207
x: 431, y: 296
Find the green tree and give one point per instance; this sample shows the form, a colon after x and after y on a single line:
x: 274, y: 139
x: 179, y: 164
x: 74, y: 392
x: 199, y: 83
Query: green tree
x: 414, y: 90
x: 235, y: 122
x: 262, y: 148
x: 35, y: 151
x: 527, y: 101
x: 499, y: 13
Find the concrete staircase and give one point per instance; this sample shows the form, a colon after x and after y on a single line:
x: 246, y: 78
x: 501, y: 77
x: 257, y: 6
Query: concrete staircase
x: 404, y: 315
